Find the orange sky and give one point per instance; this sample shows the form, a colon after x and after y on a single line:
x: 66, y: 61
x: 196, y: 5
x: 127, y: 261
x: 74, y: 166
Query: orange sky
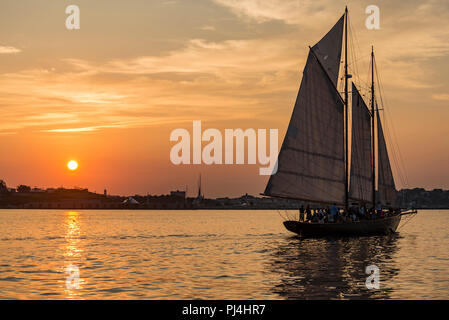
x: 108, y: 95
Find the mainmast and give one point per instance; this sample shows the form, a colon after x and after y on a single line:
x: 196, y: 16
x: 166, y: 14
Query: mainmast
x: 346, y: 114
x: 373, y: 116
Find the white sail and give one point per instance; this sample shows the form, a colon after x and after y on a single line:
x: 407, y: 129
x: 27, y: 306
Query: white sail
x: 328, y: 50
x: 387, y: 189
x: 361, y: 186
x: 311, y: 162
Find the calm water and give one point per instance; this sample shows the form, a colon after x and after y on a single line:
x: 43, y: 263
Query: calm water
x: 212, y: 255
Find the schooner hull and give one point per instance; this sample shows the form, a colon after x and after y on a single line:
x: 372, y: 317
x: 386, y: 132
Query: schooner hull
x: 358, y: 228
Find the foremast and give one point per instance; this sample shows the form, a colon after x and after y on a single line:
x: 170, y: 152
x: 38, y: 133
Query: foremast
x: 373, y: 123
x: 346, y: 102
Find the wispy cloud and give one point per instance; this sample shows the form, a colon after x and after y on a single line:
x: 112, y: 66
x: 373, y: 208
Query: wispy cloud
x: 218, y: 58
x: 6, y: 133
x: 8, y: 50
x: 288, y: 11
x: 207, y: 28
x: 216, y: 79
x: 442, y: 97
x: 84, y: 129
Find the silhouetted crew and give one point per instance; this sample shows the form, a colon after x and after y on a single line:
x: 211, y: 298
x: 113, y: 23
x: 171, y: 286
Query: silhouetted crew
x: 301, y: 213
x: 308, y: 213
x: 334, y: 212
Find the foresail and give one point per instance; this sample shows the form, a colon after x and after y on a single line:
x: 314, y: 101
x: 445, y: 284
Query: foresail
x: 328, y: 50
x: 361, y: 185
x: 311, y: 159
x: 387, y: 189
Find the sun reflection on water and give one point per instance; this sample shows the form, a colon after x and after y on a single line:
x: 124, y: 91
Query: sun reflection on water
x: 72, y: 254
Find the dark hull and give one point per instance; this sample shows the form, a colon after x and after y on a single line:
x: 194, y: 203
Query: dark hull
x: 359, y: 228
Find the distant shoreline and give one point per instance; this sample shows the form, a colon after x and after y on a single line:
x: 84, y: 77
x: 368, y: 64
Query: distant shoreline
x: 25, y: 197
x: 183, y: 209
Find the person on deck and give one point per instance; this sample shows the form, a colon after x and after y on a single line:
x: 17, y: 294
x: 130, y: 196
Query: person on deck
x: 390, y: 212
x: 301, y: 213
x: 308, y: 214
x: 369, y: 213
x: 328, y: 215
x: 321, y: 217
x: 379, y: 208
x: 333, y: 212
x: 362, y: 211
x: 341, y: 216
x: 315, y: 215
x: 321, y: 214
x: 354, y: 212
x: 373, y: 213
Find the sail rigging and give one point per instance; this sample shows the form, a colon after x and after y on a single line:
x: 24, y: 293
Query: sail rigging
x: 386, y: 186
x: 311, y: 162
x: 361, y: 186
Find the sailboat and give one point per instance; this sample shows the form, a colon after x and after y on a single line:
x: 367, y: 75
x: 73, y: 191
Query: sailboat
x: 313, y: 162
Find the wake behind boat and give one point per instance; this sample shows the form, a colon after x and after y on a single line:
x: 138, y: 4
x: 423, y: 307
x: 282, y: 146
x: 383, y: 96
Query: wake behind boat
x: 313, y: 163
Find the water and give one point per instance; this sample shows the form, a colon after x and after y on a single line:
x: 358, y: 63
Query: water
x: 211, y: 255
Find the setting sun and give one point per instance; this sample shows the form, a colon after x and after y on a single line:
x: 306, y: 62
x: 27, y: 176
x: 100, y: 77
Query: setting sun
x: 72, y: 165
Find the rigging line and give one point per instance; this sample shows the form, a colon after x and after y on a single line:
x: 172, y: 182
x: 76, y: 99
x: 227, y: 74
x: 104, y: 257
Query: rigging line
x: 393, y: 153
x: 396, y: 146
x: 355, y: 42
x: 360, y: 58
x: 400, y: 170
x: 363, y: 90
x: 401, y: 165
x: 351, y: 50
x: 354, y: 68
x: 279, y: 213
x: 408, y: 220
x: 397, y: 150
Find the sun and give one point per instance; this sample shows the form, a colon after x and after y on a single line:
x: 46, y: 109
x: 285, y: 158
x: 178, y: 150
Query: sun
x: 72, y: 165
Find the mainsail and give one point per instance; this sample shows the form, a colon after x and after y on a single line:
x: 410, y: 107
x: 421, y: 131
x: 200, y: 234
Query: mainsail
x: 387, y: 189
x: 361, y: 187
x: 328, y: 50
x: 311, y: 162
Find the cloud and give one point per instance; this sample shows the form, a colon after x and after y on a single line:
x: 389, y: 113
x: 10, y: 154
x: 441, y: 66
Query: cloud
x: 85, y: 129
x: 207, y: 28
x: 442, y: 97
x: 204, y: 80
x: 218, y: 58
x: 6, y: 133
x: 8, y: 50
x: 288, y: 11
x: 229, y: 79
